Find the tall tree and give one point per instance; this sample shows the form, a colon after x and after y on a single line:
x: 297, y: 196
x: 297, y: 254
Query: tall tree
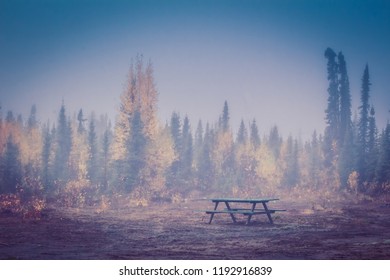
x: 136, y: 153
x: 345, y: 100
x: 383, y: 167
x: 363, y: 125
x: 140, y: 95
x: 275, y: 141
x: 92, y: 163
x: 187, y: 150
x: 81, y: 120
x: 64, y: 144
x: 225, y: 118
x: 372, y: 147
x: 333, y: 109
x: 32, y: 120
x: 12, y: 170
x: 46, y: 149
x: 242, y: 135
x: 205, y: 170
x: 254, y: 135
x: 291, y: 174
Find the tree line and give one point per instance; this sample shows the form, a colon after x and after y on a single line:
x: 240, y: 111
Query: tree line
x: 78, y: 158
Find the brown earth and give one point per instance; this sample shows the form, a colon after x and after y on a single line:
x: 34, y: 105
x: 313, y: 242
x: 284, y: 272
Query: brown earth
x: 175, y: 231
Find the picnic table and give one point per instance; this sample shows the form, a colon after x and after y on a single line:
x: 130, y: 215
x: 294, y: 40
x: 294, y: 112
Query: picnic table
x: 249, y: 211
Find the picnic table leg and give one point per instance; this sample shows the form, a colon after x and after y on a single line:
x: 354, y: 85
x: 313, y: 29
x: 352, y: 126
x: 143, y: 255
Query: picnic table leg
x: 268, y: 213
x: 212, y: 214
x: 250, y: 216
x: 231, y: 214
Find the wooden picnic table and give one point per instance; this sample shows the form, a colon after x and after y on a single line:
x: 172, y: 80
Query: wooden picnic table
x: 249, y: 211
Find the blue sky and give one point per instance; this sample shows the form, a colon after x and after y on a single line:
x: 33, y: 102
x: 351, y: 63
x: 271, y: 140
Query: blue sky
x: 264, y: 57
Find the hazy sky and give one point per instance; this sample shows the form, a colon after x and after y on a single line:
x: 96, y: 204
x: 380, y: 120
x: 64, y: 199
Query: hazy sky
x: 266, y: 58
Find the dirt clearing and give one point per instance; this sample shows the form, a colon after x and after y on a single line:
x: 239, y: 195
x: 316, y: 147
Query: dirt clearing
x: 176, y: 231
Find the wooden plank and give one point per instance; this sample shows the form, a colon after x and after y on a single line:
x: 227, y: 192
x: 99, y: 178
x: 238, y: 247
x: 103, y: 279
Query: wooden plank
x: 243, y: 200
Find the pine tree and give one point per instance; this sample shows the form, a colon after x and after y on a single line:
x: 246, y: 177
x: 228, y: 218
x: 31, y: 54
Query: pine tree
x: 363, y: 126
x: 46, y: 149
x: 92, y: 163
x: 106, y: 149
x: 225, y: 118
x: 383, y: 167
x: 254, y: 135
x: 136, y: 153
x: 205, y: 172
x: 32, y: 120
x: 12, y: 167
x: 372, y: 147
x: 314, y: 160
x: 242, y: 135
x: 81, y: 120
x: 187, y: 150
x: 275, y: 141
x: 291, y: 174
x: 345, y: 100
x: 333, y: 109
x: 64, y: 144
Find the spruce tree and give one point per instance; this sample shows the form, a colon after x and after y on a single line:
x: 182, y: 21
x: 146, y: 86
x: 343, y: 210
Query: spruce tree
x: 187, y: 151
x: 136, y: 152
x: 12, y: 170
x: 275, y: 141
x: 242, y: 135
x: 92, y: 163
x: 363, y: 126
x: 254, y: 135
x: 225, y: 118
x: 46, y: 149
x: 64, y: 145
x: 32, y: 120
x: 333, y: 109
x: 383, y: 166
x: 345, y: 100
x: 372, y: 147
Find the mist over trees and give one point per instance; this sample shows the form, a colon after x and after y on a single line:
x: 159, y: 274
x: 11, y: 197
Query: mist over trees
x: 80, y: 159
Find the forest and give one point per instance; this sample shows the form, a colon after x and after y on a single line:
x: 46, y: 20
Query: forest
x: 82, y: 159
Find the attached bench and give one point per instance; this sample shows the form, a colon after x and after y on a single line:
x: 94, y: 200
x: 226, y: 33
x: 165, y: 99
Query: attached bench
x: 249, y: 212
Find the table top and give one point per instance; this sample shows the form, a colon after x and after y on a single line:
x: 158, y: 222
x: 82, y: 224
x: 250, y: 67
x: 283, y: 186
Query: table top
x: 243, y: 200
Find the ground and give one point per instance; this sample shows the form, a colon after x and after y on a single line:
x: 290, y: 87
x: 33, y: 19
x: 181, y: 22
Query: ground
x: 355, y: 230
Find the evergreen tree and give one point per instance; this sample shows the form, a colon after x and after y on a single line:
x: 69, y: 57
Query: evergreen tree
x: 63, y: 147
x: 363, y: 126
x: 187, y: 150
x: 12, y: 170
x: 136, y: 152
x: 345, y: 100
x: 106, y: 149
x: 176, y: 132
x: 275, y: 141
x: 205, y: 172
x: 291, y: 174
x: 242, y: 135
x: 225, y: 118
x: 92, y: 163
x: 81, y: 120
x: 333, y: 109
x: 315, y: 160
x: 372, y: 147
x: 32, y: 120
x: 347, y: 157
x: 254, y: 135
x: 383, y: 167
x: 47, y: 140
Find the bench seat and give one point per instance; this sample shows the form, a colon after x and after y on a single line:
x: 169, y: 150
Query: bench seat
x: 242, y: 211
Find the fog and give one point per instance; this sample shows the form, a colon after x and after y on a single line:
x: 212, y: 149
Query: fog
x: 264, y: 57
